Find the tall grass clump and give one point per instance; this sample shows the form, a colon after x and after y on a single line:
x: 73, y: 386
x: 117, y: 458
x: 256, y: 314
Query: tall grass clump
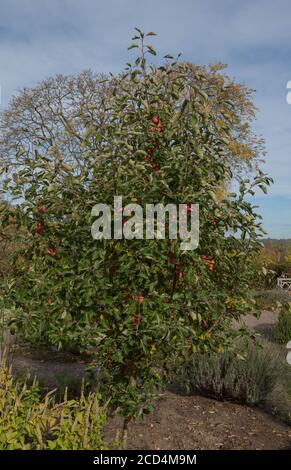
x: 30, y: 422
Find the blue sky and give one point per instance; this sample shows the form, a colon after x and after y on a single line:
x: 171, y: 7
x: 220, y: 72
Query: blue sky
x: 41, y: 38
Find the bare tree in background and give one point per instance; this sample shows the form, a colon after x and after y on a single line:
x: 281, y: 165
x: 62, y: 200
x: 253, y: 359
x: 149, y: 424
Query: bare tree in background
x: 61, y: 118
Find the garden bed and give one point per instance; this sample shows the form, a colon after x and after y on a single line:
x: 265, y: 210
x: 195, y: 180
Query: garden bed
x: 178, y: 422
x: 195, y: 422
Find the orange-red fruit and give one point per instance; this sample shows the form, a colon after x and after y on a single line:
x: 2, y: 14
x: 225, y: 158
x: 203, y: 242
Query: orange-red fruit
x: 139, y: 298
x: 136, y: 320
x: 155, y: 119
x: 52, y: 252
x: 39, y: 228
x: 41, y: 210
x: 210, y: 263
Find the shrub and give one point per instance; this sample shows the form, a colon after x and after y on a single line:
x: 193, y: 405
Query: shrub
x: 28, y: 421
x: 138, y: 306
x: 227, y: 376
x: 282, y: 332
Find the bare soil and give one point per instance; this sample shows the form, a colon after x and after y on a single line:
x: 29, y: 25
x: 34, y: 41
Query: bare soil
x: 199, y: 423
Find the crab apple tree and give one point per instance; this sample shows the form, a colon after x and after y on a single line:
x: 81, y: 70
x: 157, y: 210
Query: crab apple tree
x: 138, y: 307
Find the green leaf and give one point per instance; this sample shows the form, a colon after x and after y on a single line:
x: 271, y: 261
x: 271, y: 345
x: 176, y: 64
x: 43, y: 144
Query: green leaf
x: 132, y: 46
x: 151, y: 50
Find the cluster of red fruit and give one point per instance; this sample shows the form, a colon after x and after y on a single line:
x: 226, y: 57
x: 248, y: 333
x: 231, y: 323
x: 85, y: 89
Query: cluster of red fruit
x: 150, y: 151
x: 39, y: 227
x: 52, y: 251
x: 136, y: 320
x: 139, y: 299
x: 156, y: 121
x: 210, y: 263
x: 39, y: 230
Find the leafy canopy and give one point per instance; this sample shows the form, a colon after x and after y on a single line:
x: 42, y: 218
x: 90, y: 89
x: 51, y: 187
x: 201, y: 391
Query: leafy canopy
x: 139, y: 307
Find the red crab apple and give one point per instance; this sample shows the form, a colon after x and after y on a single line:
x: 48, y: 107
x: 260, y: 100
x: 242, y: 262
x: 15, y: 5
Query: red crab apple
x: 39, y: 228
x: 41, y: 210
x: 210, y: 263
x: 136, y: 320
x: 139, y: 298
x: 155, y: 119
x: 51, y: 252
x: 158, y: 128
